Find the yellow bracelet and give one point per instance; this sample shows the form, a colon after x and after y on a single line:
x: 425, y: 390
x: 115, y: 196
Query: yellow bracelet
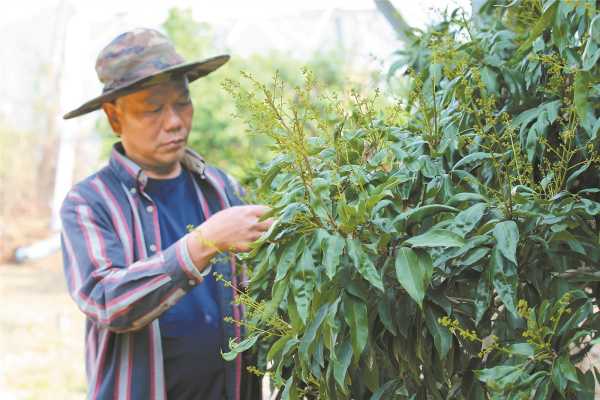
x: 206, y: 242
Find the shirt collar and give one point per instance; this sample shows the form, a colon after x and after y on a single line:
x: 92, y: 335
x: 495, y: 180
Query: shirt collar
x: 132, y: 175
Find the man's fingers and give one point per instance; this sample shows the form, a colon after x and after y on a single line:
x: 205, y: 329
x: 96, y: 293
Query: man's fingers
x: 255, y: 236
x: 259, y: 210
x: 264, y: 226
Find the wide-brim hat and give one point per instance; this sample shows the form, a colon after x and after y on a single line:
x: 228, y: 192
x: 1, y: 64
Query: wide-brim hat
x: 139, y: 59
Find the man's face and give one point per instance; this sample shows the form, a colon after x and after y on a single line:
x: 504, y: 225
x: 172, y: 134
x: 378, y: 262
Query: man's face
x: 154, y: 124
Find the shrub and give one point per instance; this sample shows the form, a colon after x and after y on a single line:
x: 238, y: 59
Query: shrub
x: 451, y: 255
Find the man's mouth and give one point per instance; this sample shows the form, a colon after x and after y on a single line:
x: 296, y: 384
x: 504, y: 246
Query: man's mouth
x: 175, y: 143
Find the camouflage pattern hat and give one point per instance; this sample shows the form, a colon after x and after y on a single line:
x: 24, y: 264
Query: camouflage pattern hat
x: 138, y: 59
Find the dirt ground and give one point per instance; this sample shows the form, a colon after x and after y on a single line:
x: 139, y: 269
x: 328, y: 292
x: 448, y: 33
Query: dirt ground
x: 41, y: 334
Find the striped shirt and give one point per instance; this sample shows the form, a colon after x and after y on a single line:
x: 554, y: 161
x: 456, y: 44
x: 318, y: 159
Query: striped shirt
x: 121, y: 278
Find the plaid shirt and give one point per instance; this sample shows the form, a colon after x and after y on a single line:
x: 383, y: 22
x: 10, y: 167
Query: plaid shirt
x: 122, y: 280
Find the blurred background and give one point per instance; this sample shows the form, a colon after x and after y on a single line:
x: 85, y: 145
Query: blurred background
x: 48, y: 51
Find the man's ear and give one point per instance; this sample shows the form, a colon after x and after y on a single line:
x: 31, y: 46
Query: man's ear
x: 112, y: 113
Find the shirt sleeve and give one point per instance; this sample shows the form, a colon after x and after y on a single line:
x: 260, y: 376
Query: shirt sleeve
x: 113, y: 294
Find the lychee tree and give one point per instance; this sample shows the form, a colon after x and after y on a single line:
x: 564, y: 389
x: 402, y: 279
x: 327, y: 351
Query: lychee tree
x: 446, y: 247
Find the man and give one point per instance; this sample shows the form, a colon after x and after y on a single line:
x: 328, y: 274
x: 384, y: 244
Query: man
x: 154, y: 325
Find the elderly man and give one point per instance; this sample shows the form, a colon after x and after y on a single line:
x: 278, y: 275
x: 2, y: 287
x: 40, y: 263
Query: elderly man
x: 154, y: 312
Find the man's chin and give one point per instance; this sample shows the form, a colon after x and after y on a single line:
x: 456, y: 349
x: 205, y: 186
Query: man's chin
x: 172, y: 157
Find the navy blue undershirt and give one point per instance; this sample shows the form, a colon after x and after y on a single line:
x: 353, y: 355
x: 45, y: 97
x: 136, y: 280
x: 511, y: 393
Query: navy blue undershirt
x: 191, y: 330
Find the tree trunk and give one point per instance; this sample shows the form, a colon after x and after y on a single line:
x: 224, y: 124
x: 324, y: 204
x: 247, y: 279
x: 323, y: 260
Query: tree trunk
x: 395, y: 19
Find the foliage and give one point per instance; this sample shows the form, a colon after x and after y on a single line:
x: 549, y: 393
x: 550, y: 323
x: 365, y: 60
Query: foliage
x: 452, y: 256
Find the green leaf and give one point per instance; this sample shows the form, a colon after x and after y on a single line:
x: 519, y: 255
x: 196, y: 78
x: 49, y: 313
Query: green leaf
x: 341, y: 362
x: 567, y: 369
x: 290, y: 212
x: 558, y: 378
x: 436, y: 238
x: 589, y: 206
x: 490, y: 79
x: 292, y: 309
x: 262, y: 269
x: 468, y: 219
x: 522, y: 349
x: 507, y: 237
x: 272, y: 169
x: 595, y: 29
x: 413, y: 271
x: 332, y: 326
x: 303, y: 283
x: 417, y: 214
x: 542, y: 390
x: 573, y: 176
x: 280, y: 289
x: 583, y: 106
x: 311, y: 331
x: 483, y: 297
x: 473, y: 157
x: 538, y: 28
x: 505, y: 280
x: 384, y: 389
x: 334, y: 247
x: 287, y: 259
x: 289, y: 390
x: 473, y: 256
x: 442, y: 338
x: 465, y: 197
x: 537, y: 132
x: 236, y: 348
x: 385, y: 315
x: 543, y: 115
x: 591, y: 53
x: 355, y: 314
x: 500, y: 376
x: 278, y: 346
x: 363, y: 263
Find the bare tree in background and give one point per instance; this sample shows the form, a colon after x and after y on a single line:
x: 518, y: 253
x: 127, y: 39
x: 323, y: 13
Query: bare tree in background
x: 395, y: 19
x: 403, y: 29
x: 49, y: 107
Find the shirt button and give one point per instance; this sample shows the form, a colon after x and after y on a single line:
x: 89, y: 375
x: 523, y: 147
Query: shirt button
x: 132, y: 190
x: 192, y: 282
x: 152, y: 248
x: 150, y: 209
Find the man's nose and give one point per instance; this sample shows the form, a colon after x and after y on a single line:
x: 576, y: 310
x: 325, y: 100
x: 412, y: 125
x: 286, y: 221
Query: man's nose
x: 173, y: 121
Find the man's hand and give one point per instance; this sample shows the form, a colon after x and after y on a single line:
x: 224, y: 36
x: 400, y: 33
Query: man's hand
x: 232, y: 229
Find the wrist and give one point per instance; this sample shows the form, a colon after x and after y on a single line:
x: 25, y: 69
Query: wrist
x: 200, y: 249
x: 206, y: 241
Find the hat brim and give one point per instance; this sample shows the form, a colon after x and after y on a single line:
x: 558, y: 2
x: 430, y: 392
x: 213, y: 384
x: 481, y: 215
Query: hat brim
x: 192, y: 70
